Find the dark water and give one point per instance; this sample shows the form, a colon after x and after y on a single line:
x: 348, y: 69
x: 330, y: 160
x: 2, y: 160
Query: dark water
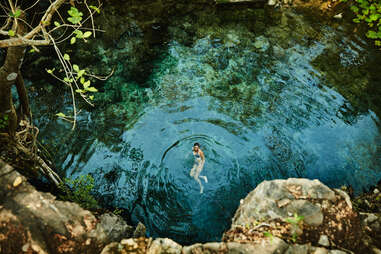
x: 262, y: 106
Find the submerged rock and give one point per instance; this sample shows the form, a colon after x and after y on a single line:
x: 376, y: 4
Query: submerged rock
x: 261, y: 43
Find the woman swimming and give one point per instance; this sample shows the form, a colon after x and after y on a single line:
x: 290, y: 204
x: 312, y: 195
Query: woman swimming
x: 199, y: 161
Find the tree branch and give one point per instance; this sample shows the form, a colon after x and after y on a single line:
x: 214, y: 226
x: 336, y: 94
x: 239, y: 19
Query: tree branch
x: 45, y: 20
x: 27, y: 40
x: 22, y: 42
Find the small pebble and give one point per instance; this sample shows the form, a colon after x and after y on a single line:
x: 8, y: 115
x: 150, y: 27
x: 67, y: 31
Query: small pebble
x: 324, y: 241
x: 338, y: 16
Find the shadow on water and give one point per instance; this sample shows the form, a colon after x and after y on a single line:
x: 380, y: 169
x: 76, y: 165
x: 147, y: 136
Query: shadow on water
x: 263, y: 105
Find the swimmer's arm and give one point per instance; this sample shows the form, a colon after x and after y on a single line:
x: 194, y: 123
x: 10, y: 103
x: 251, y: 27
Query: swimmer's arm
x: 202, y: 157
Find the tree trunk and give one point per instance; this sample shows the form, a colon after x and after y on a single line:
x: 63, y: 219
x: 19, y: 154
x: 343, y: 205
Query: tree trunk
x: 23, y: 97
x: 8, y: 75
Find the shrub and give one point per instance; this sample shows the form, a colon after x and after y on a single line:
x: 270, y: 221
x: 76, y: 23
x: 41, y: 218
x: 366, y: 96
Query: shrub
x: 78, y: 190
x: 369, y: 12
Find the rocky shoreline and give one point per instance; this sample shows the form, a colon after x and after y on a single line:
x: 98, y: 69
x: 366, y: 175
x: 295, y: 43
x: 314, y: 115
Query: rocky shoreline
x: 278, y: 216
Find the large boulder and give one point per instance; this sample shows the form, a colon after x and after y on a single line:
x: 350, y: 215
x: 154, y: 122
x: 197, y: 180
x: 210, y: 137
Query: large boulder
x: 298, y: 211
x: 279, y: 216
x: 34, y: 222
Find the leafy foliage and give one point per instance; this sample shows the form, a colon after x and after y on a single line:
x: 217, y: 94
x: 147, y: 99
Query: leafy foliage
x: 11, y: 33
x: 3, y: 121
x: 79, y: 191
x: 369, y: 11
x: 78, y: 80
x: 295, y: 220
x: 75, y: 15
x: 16, y: 14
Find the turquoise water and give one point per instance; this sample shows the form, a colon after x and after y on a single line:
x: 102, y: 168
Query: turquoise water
x: 258, y: 104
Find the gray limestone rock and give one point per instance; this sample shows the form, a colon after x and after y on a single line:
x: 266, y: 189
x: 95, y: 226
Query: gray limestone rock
x: 114, y: 227
x: 345, y: 196
x: 337, y: 252
x: 263, y: 202
x: 67, y: 227
x: 320, y: 251
x: 275, y: 245
x: 299, y: 249
x: 140, y: 230
x: 312, y: 213
x: 164, y: 246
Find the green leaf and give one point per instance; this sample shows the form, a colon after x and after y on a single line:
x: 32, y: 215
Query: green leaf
x: 86, y: 84
x: 57, y: 24
x: 82, y: 80
x: 354, y: 8
x: 377, y: 43
x: 374, y: 17
x: 92, y: 89
x: 371, y: 34
x: 356, y: 20
x: 80, y: 91
x: 74, y: 20
x: 75, y: 67
x: 80, y: 73
x: 78, y: 34
x: 75, y: 15
x: 87, y: 34
x: 68, y: 80
x: 91, y: 97
x: 267, y: 234
x: 16, y: 14
x: 11, y: 33
x: 60, y: 114
x: 95, y: 8
x: 66, y: 57
x: 72, y: 40
x: 50, y: 71
x: 32, y: 50
x: 74, y: 12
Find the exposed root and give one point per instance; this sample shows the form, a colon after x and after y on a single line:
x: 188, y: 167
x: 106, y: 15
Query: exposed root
x: 25, y: 141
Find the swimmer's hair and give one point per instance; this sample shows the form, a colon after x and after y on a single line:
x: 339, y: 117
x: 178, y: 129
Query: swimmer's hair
x: 196, y: 144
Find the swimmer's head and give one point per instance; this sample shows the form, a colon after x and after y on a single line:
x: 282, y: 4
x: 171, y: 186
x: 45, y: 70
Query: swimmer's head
x: 196, y: 146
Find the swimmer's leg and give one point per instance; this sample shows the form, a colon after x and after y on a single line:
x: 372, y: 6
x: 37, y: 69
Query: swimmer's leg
x: 205, y: 178
x: 193, y: 170
x: 196, y: 177
x: 201, y: 187
x: 199, y: 169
